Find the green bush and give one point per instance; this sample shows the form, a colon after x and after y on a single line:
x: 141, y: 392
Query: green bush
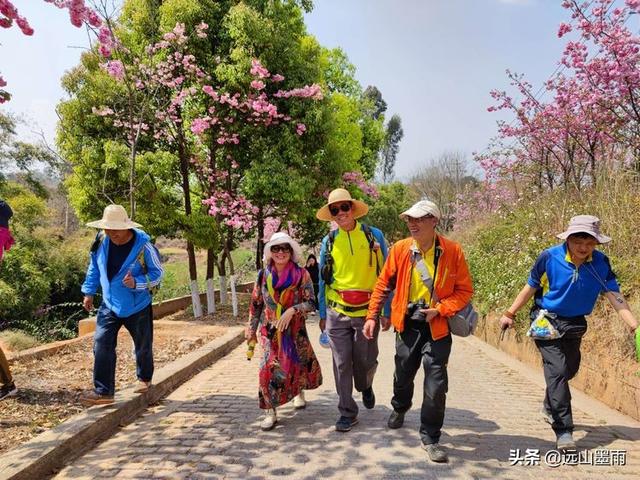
x: 55, y: 322
x: 502, y: 248
x: 42, y: 269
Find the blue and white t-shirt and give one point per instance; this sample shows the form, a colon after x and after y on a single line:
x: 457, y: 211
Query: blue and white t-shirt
x: 566, y: 290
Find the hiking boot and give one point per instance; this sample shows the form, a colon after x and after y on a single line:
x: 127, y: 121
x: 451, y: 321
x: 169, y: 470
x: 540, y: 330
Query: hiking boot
x: 369, y: 398
x: 92, y: 398
x: 436, y: 452
x: 564, y: 441
x: 546, y: 416
x: 344, y: 424
x: 142, y: 386
x: 9, y: 390
x: 396, y: 420
x: 269, y: 420
x: 299, y: 402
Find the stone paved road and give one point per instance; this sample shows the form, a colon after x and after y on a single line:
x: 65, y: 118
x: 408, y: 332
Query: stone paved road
x: 208, y: 428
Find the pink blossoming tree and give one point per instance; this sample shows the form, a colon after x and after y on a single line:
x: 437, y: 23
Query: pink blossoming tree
x: 590, y: 123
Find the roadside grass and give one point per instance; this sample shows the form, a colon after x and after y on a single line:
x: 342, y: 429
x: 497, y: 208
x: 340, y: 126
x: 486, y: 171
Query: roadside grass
x: 177, y: 282
x: 17, y: 340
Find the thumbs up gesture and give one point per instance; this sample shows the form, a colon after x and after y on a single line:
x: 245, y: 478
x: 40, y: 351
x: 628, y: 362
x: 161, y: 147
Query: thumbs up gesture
x: 129, y: 280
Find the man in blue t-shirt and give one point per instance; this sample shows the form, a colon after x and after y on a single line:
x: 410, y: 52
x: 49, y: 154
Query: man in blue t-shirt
x: 125, y: 265
x: 565, y: 281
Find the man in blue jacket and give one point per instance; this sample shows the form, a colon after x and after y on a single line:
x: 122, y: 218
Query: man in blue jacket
x: 126, y: 265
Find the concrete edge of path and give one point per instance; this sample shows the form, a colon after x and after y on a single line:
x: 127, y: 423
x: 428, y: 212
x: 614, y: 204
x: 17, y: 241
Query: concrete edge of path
x: 42, y: 455
x: 579, y: 399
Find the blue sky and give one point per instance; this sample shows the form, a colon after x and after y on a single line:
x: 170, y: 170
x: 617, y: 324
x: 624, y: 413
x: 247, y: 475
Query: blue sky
x: 434, y: 61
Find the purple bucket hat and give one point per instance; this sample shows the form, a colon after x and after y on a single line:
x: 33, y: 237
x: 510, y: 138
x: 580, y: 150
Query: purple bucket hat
x: 585, y: 224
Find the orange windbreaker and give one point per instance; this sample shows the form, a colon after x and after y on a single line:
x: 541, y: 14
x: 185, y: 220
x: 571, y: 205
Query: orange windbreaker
x: 452, y: 285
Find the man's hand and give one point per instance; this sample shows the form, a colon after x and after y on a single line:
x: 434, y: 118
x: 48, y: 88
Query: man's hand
x: 385, y: 323
x: 283, y: 322
x: 129, y: 281
x: 323, y: 324
x: 429, y: 313
x: 87, y: 303
x: 369, y: 329
x: 505, y: 322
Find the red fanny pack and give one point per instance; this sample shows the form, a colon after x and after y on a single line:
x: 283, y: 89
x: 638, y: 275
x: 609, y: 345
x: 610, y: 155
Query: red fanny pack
x: 355, y: 297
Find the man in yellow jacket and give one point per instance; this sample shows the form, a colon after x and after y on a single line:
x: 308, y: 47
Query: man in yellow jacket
x: 431, y: 281
x: 350, y: 259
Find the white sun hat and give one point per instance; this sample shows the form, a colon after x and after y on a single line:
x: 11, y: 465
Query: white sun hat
x: 585, y: 224
x: 114, y: 218
x: 280, y: 238
x: 422, y: 208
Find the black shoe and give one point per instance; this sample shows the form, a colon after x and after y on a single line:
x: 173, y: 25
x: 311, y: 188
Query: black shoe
x: 9, y: 390
x: 436, y: 452
x: 396, y: 420
x: 344, y: 424
x: 369, y: 398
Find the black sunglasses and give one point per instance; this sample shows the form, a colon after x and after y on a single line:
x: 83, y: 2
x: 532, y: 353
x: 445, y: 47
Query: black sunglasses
x: 345, y: 207
x: 280, y: 248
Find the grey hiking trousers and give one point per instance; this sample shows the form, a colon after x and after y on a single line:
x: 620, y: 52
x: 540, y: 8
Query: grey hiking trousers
x: 355, y: 359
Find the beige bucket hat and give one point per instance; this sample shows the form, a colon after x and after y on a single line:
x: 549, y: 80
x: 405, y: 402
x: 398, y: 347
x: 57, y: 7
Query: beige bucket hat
x: 280, y: 238
x: 585, y: 224
x: 114, y: 218
x: 360, y: 209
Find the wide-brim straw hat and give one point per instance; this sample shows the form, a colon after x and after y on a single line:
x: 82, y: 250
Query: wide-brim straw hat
x: 585, y: 224
x: 280, y: 238
x: 114, y: 217
x: 360, y: 209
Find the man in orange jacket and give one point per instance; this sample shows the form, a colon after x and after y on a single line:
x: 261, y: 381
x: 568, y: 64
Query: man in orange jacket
x: 431, y: 281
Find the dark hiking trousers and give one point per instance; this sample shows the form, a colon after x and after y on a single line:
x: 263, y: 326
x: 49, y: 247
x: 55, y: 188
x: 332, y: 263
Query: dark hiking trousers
x: 140, y: 326
x: 415, y: 346
x: 561, y: 361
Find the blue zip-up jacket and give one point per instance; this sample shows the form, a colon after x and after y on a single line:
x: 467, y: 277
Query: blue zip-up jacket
x: 120, y: 299
x: 322, y: 298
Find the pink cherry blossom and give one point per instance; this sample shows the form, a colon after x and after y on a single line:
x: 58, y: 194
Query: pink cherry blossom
x: 115, y: 68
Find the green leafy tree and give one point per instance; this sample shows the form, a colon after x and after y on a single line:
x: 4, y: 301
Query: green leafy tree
x: 391, y: 148
x: 394, y: 198
x: 374, y: 95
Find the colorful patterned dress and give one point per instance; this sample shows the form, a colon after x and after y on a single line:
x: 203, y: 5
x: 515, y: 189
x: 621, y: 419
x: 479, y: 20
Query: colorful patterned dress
x: 289, y: 363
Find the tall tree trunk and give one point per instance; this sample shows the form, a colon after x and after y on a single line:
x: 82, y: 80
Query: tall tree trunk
x: 232, y: 277
x: 211, y: 297
x: 186, y: 191
x: 132, y: 184
x: 222, y: 278
x: 66, y: 217
x: 260, y: 245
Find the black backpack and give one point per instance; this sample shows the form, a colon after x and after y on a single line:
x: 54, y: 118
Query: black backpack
x: 327, y: 268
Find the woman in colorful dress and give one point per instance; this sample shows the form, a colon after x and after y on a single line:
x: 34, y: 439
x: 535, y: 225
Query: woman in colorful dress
x: 282, y: 297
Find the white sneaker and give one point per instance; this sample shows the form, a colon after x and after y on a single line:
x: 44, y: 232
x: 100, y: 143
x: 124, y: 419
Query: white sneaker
x: 269, y: 420
x: 299, y: 401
